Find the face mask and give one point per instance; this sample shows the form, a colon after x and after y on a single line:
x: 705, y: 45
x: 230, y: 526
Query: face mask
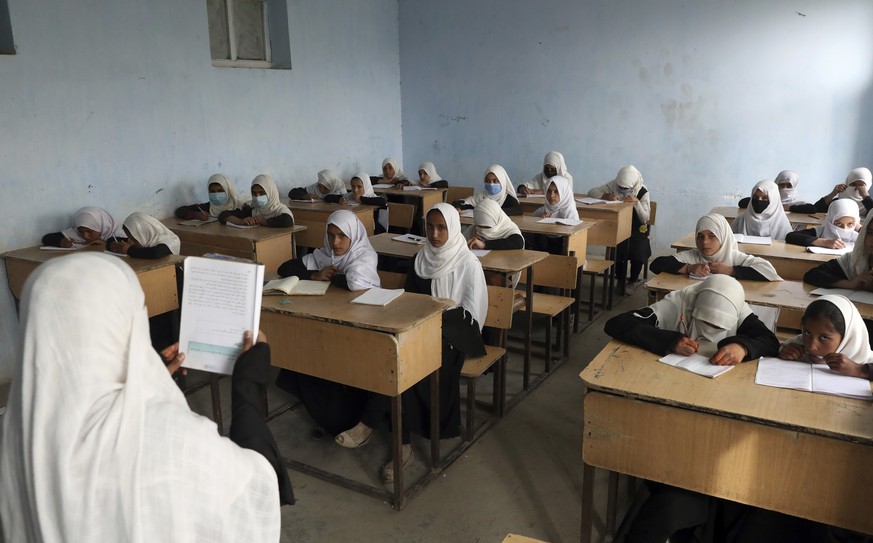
x: 701, y: 331
x: 260, y: 201
x: 786, y: 193
x: 844, y: 234
x: 550, y: 172
x: 625, y: 191
x: 218, y: 198
x: 492, y: 188
x: 760, y: 205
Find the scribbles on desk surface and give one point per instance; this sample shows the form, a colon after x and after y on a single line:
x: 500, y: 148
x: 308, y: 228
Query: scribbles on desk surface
x: 378, y: 296
x: 479, y: 253
x: 467, y: 213
x: 243, y: 226
x: 75, y: 247
x: 860, y: 296
x: 293, y: 285
x: 695, y: 364
x: 195, y: 222
x: 565, y: 222
x: 592, y: 201
x: 774, y: 372
x: 828, y: 251
x: 409, y: 238
x: 383, y: 186
x: 753, y: 240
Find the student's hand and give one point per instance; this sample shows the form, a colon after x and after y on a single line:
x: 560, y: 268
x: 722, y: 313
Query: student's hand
x: 120, y: 247
x: 250, y: 221
x: 311, y: 196
x: 201, y: 215
x: 400, y: 184
x: 260, y: 219
x: 838, y: 188
x: 343, y: 201
x: 862, y: 281
x: 247, y: 340
x: 457, y: 205
x: 685, y: 346
x: 842, y: 364
x: 522, y: 189
x: 829, y: 243
x: 174, y: 359
x: 721, y: 267
x: 476, y: 243
x: 66, y: 243
x: 609, y: 196
x: 631, y: 199
x: 697, y: 269
x: 235, y: 220
x: 791, y: 351
x: 729, y: 355
x: 325, y: 274
x: 547, y: 215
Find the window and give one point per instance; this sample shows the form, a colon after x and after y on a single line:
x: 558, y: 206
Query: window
x: 248, y: 33
x: 7, y: 45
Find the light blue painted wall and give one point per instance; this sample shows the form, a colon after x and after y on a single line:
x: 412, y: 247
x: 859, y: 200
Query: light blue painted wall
x: 704, y: 97
x: 116, y: 104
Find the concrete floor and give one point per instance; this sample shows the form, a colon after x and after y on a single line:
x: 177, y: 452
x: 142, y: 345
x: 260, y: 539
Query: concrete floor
x: 523, y: 476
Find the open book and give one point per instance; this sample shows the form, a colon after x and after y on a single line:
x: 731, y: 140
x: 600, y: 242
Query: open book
x: 753, y: 240
x: 416, y: 187
x: 774, y: 372
x: 378, y: 296
x: 695, y: 364
x: 828, y: 251
x: 294, y: 286
x: 591, y: 201
x: 566, y: 222
x: 860, y: 296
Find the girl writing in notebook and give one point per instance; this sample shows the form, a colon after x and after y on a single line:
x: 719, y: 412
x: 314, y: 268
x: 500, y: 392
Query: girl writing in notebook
x: 428, y: 176
x: 222, y: 197
x: 90, y: 225
x: 837, y: 230
x: 553, y: 164
x: 716, y: 253
x: 328, y: 183
x: 445, y: 268
x: 496, y: 186
x: 851, y: 270
x: 265, y: 210
x: 145, y: 237
x: 764, y: 216
x: 493, y: 230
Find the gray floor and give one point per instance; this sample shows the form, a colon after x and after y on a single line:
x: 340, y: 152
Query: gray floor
x: 523, y: 476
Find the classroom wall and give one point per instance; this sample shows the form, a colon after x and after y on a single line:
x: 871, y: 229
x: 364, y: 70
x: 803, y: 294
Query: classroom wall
x: 705, y: 98
x: 116, y: 104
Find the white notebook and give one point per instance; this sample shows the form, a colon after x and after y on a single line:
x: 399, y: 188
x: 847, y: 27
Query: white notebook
x: 294, y: 286
x: 860, y: 296
x: 827, y: 251
x: 695, y: 364
x: 753, y: 240
x: 565, y: 222
x: 378, y: 296
x: 774, y: 372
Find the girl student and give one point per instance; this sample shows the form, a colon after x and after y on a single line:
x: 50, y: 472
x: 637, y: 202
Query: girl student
x: 852, y: 270
x: 553, y: 164
x: 787, y: 181
x: 348, y: 261
x: 90, y: 225
x: 222, y: 197
x: 328, y: 183
x: 559, y: 204
x: 834, y: 334
x: 392, y: 174
x: 428, y: 176
x: 496, y: 186
x: 145, y: 237
x: 362, y: 193
x: 835, y: 232
x: 445, y: 268
x: 764, y: 216
x: 855, y: 188
x: 493, y: 230
x: 266, y: 209
x: 716, y: 253
x: 628, y: 187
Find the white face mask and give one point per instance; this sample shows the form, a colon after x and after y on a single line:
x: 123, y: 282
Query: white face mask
x: 845, y: 234
x: 705, y: 332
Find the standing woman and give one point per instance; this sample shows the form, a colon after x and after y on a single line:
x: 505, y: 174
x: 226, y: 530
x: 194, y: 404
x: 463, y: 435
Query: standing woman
x: 445, y: 268
x: 222, y: 197
x: 553, y: 164
x: 764, y: 216
x: 266, y: 208
x: 328, y: 183
x: 628, y: 187
x: 496, y: 186
x: 428, y: 176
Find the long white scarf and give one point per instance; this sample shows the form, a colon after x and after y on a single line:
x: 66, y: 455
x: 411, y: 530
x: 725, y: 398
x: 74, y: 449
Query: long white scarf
x: 329, y: 180
x: 851, y: 193
x: 498, y: 223
x: 566, y: 206
x: 789, y: 195
x: 358, y: 263
x: 855, y: 343
x: 857, y: 262
x: 506, y: 188
x: 274, y: 206
x: 398, y: 172
x: 149, y: 232
x: 93, y: 218
x: 771, y: 223
x: 233, y: 199
x: 430, y: 170
x: 838, y: 209
x: 368, y: 185
x: 719, y: 300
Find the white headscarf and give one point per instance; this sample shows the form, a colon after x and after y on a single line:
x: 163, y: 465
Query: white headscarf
x: 772, y: 222
x: 838, y: 209
x: 856, y: 262
x: 274, y: 206
x: 233, y: 199
x: 789, y: 195
x: 149, y: 232
x: 398, y: 172
x: 358, y: 263
x: 505, y: 188
x: 454, y: 271
x: 95, y: 219
x: 98, y: 442
x: 430, y: 169
x: 556, y: 159
x: 368, y: 186
x: 851, y: 193
x: 628, y: 177
x: 566, y: 206
x: 488, y: 213
x: 855, y: 343
x: 331, y: 181
x: 729, y: 252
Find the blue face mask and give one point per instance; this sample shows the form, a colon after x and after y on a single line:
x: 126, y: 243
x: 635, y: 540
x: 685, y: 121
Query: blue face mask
x: 218, y: 198
x: 260, y: 201
x: 492, y: 188
x: 625, y: 192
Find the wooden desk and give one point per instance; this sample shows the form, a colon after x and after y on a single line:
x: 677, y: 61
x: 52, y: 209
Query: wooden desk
x: 157, y: 277
x: 575, y: 237
x: 384, y: 350
x: 791, y: 261
x: 270, y: 246
x: 422, y: 199
x: 796, y: 219
x: 613, y: 221
x: 313, y: 215
x: 790, y: 451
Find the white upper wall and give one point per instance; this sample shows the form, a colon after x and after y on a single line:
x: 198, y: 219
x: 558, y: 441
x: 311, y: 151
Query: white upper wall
x: 116, y: 104
x: 705, y: 98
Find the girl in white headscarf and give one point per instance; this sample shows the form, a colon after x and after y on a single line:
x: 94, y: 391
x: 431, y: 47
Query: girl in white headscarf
x: 428, y: 176
x: 837, y: 230
x: 266, y: 208
x: 444, y: 268
x: 559, y: 202
x: 716, y: 253
x: 492, y: 229
x: 222, y: 197
x: 392, y: 173
x: 787, y: 181
x: 855, y: 188
x: 362, y: 193
x: 496, y: 186
x: 90, y: 224
x: 764, y: 216
x: 145, y: 237
x: 851, y: 270
x: 553, y: 164
x: 99, y: 444
x: 328, y: 183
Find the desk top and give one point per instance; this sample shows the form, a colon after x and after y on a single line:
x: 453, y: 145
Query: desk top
x: 413, y: 193
x: 220, y: 230
x: 777, y: 249
x: 326, y: 207
x: 540, y: 200
x: 404, y: 313
x: 796, y: 219
x: 529, y: 224
x: 139, y: 265
x: 627, y: 370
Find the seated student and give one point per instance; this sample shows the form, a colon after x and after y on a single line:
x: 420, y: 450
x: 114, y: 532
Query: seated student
x: 222, y: 197
x: 837, y: 229
x: 559, y: 204
x: 716, y: 253
x: 445, y: 268
x: 856, y: 188
x: 493, y: 230
x: 328, y: 183
x: 99, y: 444
x: 553, y: 164
x: 266, y: 209
x: 765, y: 216
x: 428, y: 176
x: 145, y: 237
x: 90, y: 224
x: 497, y: 187
x: 361, y: 193
x: 851, y: 270
x: 637, y: 249
x: 392, y: 173
x: 787, y: 182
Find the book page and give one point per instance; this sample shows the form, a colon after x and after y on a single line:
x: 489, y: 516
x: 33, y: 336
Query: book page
x: 305, y: 287
x: 378, y: 296
x: 696, y: 364
x: 753, y: 240
x: 861, y: 297
x: 565, y: 222
x: 75, y: 247
x: 195, y: 222
x: 221, y: 300
x: 467, y: 213
x: 821, y: 291
x: 281, y: 286
x: 827, y: 251
x: 826, y: 381
x: 479, y: 253
x: 774, y: 372
x: 383, y: 186
x: 588, y: 201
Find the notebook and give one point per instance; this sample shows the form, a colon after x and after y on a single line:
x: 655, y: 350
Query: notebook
x: 860, y: 296
x: 378, y: 296
x: 753, y: 240
x: 294, y: 286
x: 566, y: 222
x: 774, y: 372
x: 695, y: 363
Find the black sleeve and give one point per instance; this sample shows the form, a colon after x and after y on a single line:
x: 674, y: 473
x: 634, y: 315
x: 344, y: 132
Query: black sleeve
x: 187, y: 212
x: 744, y: 203
x: 821, y: 206
x: 638, y: 328
x: 511, y: 206
x: 825, y: 274
x: 416, y: 284
x: 333, y: 198
x: 802, y: 208
x: 515, y: 241
x: 804, y: 238
x: 666, y: 264
x: 461, y: 205
x: 374, y: 201
x: 248, y: 426
x: 461, y: 331
x: 296, y: 267
x: 158, y: 251
x: 441, y: 184
x: 242, y: 213
x: 751, y: 274
x: 298, y: 193
x: 755, y: 337
x: 281, y: 221
x: 53, y: 240
x: 340, y: 280
x: 867, y: 202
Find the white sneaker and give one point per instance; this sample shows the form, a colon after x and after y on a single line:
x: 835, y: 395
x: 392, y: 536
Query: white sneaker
x: 629, y: 287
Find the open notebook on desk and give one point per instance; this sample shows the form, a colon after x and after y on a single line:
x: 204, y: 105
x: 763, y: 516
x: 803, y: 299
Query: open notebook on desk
x: 775, y: 372
x: 860, y: 296
x: 294, y: 286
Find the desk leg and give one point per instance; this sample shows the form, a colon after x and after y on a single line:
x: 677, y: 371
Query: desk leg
x: 435, y: 420
x: 397, y: 426
x: 587, y: 502
x: 528, y: 328
x: 611, y: 505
